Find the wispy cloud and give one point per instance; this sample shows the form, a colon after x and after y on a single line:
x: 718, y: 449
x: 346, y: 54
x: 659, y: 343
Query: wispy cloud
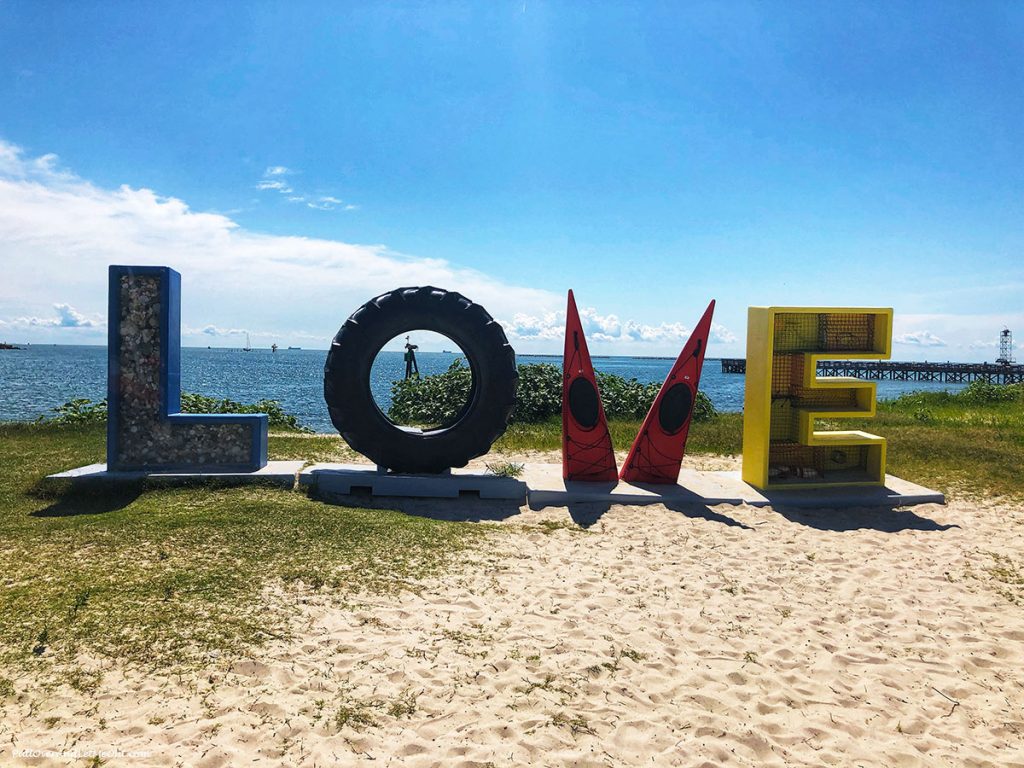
x: 919, y: 339
x: 983, y: 345
x: 280, y: 186
x: 328, y: 203
x: 272, y: 181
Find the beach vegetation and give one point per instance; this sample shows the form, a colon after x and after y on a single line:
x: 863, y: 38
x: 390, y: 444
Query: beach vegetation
x: 575, y: 723
x: 356, y: 714
x: 437, y: 399
x: 505, y: 468
x: 403, y: 705
x: 190, y: 573
x: 547, y: 527
x: 969, y: 442
x: 83, y: 411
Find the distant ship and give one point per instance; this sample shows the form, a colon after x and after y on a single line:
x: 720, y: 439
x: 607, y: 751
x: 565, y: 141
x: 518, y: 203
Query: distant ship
x: 294, y: 347
x: 447, y: 351
x: 248, y: 346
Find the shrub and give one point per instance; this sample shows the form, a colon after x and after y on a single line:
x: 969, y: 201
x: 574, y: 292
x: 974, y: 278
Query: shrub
x: 84, y: 411
x: 276, y: 415
x: 976, y: 393
x: 431, y: 400
x: 539, y: 396
x: 437, y: 399
x: 79, y: 411
x: 983, y: 393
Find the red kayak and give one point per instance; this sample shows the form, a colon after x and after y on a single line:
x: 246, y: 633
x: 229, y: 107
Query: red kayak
x: 586, y: 445
x: 657, y: 452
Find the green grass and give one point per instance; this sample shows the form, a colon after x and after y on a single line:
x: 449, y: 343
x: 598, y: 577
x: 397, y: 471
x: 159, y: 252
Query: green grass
x: 167, y: 576
x: 722, y: 434
x: 950, y: 443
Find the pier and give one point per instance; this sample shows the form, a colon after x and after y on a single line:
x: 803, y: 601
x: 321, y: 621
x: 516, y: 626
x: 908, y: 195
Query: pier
x: 954, y: 373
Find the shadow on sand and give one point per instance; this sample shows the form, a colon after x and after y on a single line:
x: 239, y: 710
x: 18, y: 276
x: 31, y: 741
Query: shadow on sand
x: 884, y: 519
x: 586, y: 513
x: 465, y: 509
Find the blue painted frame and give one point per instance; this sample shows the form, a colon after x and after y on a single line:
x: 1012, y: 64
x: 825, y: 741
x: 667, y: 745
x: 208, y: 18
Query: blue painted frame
x: 170, y: 376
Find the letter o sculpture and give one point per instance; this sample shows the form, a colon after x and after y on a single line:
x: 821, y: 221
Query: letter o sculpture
x: 368, y: 430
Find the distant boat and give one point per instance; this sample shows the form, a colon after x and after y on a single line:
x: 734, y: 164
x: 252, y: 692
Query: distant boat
x: 447, y: 351
x: 5, y: 345
x: 273, y: 347
x: 294, y: 347
x: 248, y: 346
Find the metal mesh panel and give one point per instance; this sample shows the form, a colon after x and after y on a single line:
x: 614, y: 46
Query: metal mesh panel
x: 785, y: 422
x: 786, y: 369
x: 847, y: 333
x: 810, y: 332
x: 796, y: 332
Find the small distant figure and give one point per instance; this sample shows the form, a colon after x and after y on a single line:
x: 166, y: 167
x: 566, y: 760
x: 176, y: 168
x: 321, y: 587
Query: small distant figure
x: 273, y: 347
x: 411, y: 368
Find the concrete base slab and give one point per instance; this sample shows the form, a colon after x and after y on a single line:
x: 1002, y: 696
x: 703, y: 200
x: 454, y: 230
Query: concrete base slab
x: 896, y: 492
x: 541, y: 485
x: 547, y: 489
x: 348, y: 479
x: 275, y: 473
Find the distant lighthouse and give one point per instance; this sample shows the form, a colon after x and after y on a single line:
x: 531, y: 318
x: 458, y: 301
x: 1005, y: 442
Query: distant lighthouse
x: 1005, y: 348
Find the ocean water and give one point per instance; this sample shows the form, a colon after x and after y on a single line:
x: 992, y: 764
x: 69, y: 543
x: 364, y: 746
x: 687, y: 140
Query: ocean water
x: 37, y: 379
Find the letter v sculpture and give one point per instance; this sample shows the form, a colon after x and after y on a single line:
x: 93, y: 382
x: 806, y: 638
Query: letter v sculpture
x: 657, y: 452
x: 586, y: 444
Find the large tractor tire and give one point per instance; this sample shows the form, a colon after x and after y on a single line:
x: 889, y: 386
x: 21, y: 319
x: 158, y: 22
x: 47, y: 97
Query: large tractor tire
x: 368, y: 430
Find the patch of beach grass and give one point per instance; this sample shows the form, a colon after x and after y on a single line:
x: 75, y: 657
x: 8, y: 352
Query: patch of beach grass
x: 293, y: 446
x: 959, y: 443
x: 722, y: 434
x: 163, y: 577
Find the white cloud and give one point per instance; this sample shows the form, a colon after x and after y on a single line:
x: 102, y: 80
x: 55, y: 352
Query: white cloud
x: 546, y: 327
x: 607, y: 328
x: 280, y: 186
x: 919, y: 339
x: 67, y: 317
x: 272, y: 182
x: 328, y: 203
x: 722, y: 334
x: 59, y: 233
x: 213, y: 330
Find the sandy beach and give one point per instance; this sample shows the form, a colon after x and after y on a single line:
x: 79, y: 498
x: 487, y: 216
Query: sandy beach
x: 612, y: 636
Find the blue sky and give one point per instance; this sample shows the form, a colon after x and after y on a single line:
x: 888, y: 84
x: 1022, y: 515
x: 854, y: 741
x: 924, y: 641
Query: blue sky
x: 292, y: 160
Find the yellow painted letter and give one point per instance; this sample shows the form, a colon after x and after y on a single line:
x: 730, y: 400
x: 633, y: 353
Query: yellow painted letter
x: 785, y: 396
